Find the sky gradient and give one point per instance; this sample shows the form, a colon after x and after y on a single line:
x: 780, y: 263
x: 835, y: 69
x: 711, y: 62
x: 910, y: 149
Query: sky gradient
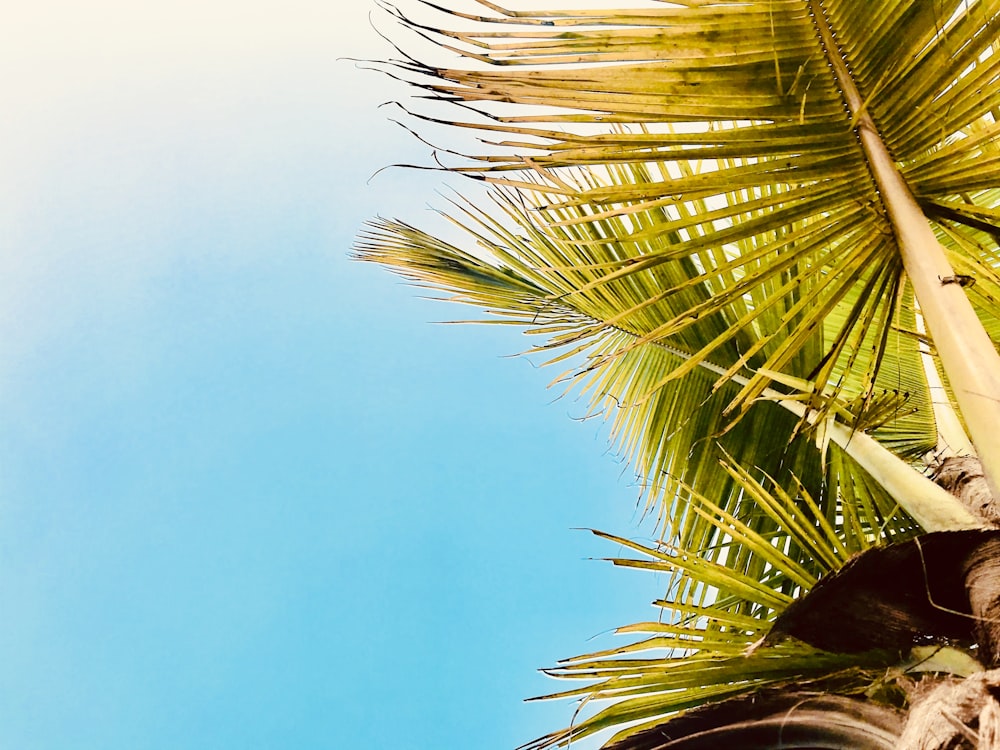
x: 250, y: 496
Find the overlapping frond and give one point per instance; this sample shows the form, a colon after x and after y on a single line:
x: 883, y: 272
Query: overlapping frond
x: 721, y: 598
x: 687, y: 220
x: 736, y: 157
x: 666, y: 394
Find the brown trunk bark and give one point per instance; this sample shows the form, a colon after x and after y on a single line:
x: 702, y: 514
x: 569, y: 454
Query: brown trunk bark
x: 963, y: 477
x: 982, y: 583
x: 948, y: 714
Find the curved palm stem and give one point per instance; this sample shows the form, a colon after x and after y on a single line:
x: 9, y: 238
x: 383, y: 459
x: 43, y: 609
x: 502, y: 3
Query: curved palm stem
x: 931, y: 506
x: 928, y: 504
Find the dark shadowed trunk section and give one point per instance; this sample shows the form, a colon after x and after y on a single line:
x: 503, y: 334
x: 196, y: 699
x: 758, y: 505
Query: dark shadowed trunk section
x: 939, y: 588
x: 775, y: 719
x: 896, y: 597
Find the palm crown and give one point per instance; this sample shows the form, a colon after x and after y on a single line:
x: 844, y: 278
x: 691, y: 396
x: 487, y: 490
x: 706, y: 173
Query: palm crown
x: 755, y: 233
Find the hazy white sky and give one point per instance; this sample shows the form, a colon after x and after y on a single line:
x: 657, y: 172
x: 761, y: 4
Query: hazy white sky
x: 249, y: 497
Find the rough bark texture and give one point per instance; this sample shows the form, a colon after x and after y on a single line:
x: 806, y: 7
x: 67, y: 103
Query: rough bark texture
x: 989, y: 724
x: 982, y: 583
x: 963, y: 477
x: 954, y: 714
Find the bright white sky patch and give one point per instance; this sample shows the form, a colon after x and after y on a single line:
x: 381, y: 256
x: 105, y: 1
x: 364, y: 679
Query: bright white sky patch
x: 248, y: 496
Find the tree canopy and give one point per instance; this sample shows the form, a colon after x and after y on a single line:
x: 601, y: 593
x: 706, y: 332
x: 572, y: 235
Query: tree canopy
x: 754, y: 234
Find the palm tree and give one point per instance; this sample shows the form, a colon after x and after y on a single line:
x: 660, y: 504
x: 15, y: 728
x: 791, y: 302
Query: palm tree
x: 763, y: 238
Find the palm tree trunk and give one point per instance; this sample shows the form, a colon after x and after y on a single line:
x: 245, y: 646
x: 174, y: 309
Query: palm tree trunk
x: 947, y: 713
x: 952, y: 438
x: 967, y: 353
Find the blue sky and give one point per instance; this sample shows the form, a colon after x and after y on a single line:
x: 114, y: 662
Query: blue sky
x: 250, y: 496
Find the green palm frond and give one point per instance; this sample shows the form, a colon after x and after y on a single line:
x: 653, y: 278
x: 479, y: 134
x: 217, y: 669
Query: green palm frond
x: 721, y: 599
x: 663, y: 396
x: 647, y: 691
x: 695, y: 215
x: 733, y: 197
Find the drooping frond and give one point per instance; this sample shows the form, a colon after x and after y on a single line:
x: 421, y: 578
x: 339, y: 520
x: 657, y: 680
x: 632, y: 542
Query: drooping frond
x: 722, y: 597
x: 663, y: 395
x: 691, y: 216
